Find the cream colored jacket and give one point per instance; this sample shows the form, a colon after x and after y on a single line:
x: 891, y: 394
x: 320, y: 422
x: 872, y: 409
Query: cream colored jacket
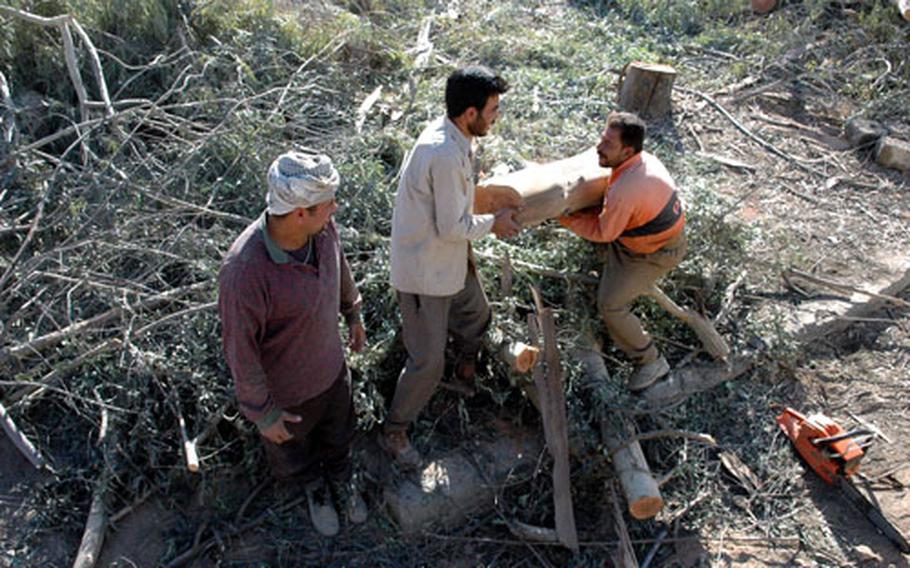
x: 434, y: 219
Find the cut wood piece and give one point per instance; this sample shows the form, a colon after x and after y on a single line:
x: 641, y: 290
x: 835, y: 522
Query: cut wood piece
x: 553, y: 409
x: 639, y: 487
x: 546, y: 191
x: 646, y: 89
x: 520, y: 357
x: 904, y: 7
x: 893, y: 153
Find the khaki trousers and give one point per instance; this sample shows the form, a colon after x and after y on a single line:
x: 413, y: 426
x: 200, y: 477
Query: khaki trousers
x: 626, y: 276
x: 426, y: 323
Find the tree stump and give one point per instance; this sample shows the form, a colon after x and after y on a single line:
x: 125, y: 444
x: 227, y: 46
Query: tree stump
x: 646, y: 89
x: 763, y: 6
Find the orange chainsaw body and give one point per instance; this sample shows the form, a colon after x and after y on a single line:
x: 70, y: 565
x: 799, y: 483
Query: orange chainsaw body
x: 826, y: 447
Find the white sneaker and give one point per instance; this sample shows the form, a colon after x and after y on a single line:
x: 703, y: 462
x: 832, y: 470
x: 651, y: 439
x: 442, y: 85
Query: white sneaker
x: 647, y: 375
x: 349, y: 501
x: 322, y: 512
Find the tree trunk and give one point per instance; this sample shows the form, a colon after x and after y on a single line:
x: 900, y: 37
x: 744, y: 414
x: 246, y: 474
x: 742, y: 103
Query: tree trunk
x: 546, y: 190
x: 646, y: 89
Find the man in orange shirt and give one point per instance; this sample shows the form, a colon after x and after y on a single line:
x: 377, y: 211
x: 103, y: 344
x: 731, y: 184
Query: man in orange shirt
x: 643, y: 223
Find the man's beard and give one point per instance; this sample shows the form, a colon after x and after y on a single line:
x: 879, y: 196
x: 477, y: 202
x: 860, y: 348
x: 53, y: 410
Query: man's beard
x: 476, y: 128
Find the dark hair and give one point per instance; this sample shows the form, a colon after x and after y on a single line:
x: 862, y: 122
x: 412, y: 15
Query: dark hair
x: 471, y: 87
x: 632, y: 130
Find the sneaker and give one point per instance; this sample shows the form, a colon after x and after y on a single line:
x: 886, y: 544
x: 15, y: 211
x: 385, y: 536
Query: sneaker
x: 349, y: 500
x: 397, y: 445
x: 322, y: 512
x: 647, y: 375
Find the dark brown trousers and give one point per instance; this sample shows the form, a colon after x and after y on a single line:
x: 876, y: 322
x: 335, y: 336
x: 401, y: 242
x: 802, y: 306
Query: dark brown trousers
x: 321, y: 445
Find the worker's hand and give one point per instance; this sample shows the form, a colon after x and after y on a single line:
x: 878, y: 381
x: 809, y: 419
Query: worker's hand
x: 504, y: 225
x: 278, y: 433
x: 357, y: 337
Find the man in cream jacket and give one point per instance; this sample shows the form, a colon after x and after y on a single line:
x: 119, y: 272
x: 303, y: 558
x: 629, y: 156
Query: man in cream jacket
x: 432, y: 225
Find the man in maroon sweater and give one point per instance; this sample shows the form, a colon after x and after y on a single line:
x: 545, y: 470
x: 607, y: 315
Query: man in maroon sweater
x: 282, y: 286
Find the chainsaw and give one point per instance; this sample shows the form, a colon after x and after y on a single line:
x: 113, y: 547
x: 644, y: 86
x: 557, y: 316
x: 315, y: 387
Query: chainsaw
x: 835, y: 455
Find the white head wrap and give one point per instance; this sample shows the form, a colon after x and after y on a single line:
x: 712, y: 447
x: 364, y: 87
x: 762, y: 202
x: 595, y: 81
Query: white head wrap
x: 300, y: 180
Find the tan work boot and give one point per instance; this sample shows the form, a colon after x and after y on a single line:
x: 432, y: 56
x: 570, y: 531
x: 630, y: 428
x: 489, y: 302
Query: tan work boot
x: 648, y: 374
x: 322, y: 512
x: 349, y: 500
x: 397, y: 445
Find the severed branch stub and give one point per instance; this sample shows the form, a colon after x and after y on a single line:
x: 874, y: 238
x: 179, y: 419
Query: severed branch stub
x: 519, y: 357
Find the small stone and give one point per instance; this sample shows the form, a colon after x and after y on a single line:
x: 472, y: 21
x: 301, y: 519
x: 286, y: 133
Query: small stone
x: 863, y: 132
x: 866, y: 555
x: 893, y: 153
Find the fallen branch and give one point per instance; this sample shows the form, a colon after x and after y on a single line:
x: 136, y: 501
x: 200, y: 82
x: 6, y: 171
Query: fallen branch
x: 706, y: 439
x: 20, y: 441
x: 844, y: 287
x: 761, y: 141
x: 28, y: 240
x: 93, y: 537
x: 36, y: 346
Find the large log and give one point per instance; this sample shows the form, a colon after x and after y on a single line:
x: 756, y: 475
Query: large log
x: 545, y: 191
x: 646, y: 89
x: 638, y: 485
x: 904, y: 7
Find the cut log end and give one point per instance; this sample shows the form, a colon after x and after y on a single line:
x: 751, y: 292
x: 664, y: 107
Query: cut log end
x: 520, y: 357
x: 646, y: 507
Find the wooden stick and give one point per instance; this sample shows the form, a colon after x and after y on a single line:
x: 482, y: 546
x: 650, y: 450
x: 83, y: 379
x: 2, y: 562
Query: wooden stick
x: 625, y: 554
x: 845, y: 287
x: 8, y: 120
x: 96, y: 68
x: 189, y: 446
x: 532, y: 533
x: 35, y: 19
x: 20, y: 441
x: 28, y: 239
x: 69, y: 52
x: 54, y: 338
x: 904, y: 7
x: 93, y: 537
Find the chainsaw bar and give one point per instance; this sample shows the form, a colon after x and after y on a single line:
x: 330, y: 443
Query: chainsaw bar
x: 873, y: 513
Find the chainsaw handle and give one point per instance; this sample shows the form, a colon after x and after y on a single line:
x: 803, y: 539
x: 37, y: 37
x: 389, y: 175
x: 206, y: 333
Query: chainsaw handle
x: 841, y: 436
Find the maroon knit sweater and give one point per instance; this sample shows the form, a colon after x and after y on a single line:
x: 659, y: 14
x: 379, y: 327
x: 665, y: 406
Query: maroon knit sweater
x: 279, y: 320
